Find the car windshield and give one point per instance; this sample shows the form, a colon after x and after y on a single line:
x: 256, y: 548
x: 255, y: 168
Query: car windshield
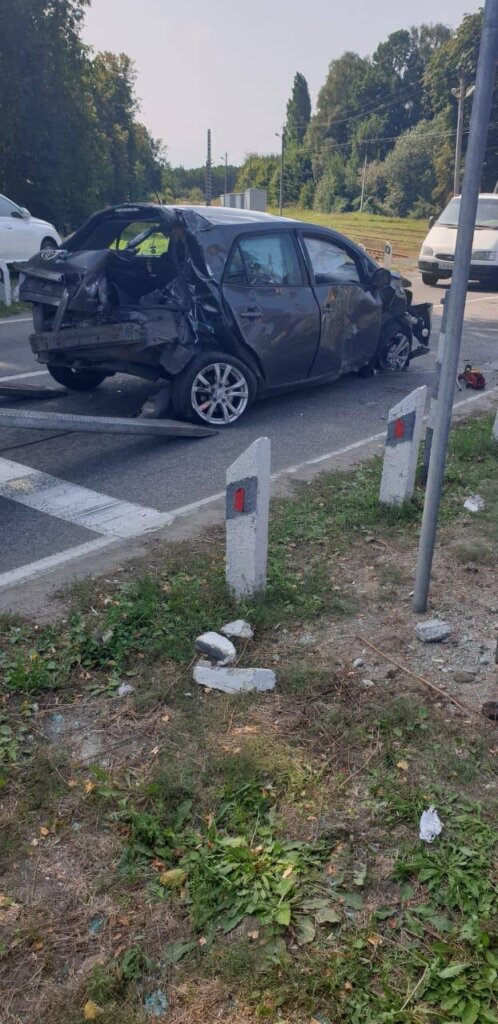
x: 487, y: 213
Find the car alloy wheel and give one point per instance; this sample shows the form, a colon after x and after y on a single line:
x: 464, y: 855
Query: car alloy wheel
x: 396, y: 355
x: 220, y: 393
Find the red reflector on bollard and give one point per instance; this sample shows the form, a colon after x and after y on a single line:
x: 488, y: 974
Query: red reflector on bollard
x: 239, y: 499
x: 399, y: 429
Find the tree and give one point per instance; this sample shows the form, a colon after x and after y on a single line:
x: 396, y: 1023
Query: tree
x: 339, y: 101
x: 70, y: 140
x: 298, y: 112
x: 461, y: 52
x: 410, y: 169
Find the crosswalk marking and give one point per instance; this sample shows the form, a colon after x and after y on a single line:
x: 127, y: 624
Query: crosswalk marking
x: 75, y: 504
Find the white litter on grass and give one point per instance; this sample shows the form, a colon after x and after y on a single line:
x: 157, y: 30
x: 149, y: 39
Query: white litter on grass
x: 125, y: 689
x: 240, y: 629
x: 430, y: 825
x: 475, y: 503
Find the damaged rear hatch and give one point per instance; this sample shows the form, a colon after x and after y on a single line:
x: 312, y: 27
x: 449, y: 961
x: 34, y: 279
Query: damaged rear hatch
x: 117, y: 295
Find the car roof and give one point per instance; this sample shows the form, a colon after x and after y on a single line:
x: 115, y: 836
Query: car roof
x: 228, y: 214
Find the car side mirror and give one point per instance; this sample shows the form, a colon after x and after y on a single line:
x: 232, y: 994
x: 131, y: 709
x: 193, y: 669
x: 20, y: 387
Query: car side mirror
x: 432, y: 221
x: 23, y: 212
x: 380, y: 278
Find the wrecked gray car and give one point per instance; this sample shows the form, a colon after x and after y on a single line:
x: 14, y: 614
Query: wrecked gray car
x: 223, y: 305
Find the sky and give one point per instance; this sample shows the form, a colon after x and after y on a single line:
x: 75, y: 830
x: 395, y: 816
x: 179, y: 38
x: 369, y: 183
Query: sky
x: 229, y: 65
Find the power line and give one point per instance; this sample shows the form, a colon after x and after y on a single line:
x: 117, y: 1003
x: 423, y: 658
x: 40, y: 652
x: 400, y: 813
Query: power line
x: 402, y: 96
x: 329, y: 144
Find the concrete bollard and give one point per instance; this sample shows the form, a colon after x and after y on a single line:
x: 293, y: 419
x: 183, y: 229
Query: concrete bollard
x: 388, y: 255
x: 5, y: 288
x: 404, y: 429
x: 247, y: 513
x: 495, y: 428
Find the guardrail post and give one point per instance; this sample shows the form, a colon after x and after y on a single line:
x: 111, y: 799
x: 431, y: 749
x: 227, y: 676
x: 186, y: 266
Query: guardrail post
x: 388, y: 255
x: 495, y: 428
x: 404, y: 430
x: 247, y: 515
x: 5, y: 286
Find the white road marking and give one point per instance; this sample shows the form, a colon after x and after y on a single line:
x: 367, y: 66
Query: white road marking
x: 482, y: 298
x: 75, y: 504
x: 23, y: 376
x: 26, y: 572
x: 12, y: 320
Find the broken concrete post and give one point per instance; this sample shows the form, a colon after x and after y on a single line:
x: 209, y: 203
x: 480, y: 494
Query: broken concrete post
x: 234, y: 680
x: 240, y: 629
x: 404, y: 430
x: 217, y: 648
x: 5, y: 286
x: 495, y: 428
x: 247, y: 513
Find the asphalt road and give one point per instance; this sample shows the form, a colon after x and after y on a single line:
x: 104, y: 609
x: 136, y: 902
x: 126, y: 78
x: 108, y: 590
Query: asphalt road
x: 129, y: 480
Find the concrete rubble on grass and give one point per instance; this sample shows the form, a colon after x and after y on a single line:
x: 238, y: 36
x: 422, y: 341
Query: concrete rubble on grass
x: 234, y: 680
x: 433, y: 631
x: 216, y: 647
x: 240, y: 630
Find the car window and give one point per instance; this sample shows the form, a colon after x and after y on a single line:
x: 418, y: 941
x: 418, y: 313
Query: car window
x: 6, y: 207
x: 260, y: 260
x: 144, y: 237
x: 331, y: 263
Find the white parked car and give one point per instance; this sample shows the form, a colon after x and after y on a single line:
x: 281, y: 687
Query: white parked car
x: 21, y: 235
x: 438, y: 251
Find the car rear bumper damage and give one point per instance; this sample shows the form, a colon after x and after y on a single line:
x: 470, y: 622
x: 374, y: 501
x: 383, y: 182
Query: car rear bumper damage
x: 160, y: 346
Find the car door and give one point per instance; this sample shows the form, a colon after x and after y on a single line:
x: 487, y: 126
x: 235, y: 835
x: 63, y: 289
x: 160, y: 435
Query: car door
x: 351, y: 310
x: 10, y: 240
x: 273, y: 305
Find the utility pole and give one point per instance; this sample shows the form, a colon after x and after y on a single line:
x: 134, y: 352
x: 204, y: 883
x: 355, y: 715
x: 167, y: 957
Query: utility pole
x: 363, y: 179
x: 486, y: 69
x: 281, y: 136
x: 460, y: 94
x: 209, y: 176
x: 226, y: 173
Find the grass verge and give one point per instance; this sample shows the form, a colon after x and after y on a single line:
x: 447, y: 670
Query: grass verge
x: 404, y: 234
x: 248, y: 858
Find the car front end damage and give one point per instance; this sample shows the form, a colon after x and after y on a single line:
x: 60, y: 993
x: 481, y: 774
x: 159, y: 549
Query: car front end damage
x: 140, y: 305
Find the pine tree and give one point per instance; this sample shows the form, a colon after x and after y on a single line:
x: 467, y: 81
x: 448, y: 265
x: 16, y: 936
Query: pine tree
x: 298, y: 111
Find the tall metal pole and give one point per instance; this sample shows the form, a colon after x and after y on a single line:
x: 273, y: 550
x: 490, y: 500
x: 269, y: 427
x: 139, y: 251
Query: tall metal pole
x: 460, y: 95
x: 363, y: 180
x: 488, y: 56
x: 209, y: 176
x: 435, y: 392
x: 226, y: 173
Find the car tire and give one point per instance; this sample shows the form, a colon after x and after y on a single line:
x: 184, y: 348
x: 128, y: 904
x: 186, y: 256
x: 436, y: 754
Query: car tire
x: 196, y: 390
x: 430, y: 279
x: 76, y: 380
x: 395, y: 353
x: 48, y: 243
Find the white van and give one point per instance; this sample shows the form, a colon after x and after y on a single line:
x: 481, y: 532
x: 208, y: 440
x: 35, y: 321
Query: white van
x: 438, y: 251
